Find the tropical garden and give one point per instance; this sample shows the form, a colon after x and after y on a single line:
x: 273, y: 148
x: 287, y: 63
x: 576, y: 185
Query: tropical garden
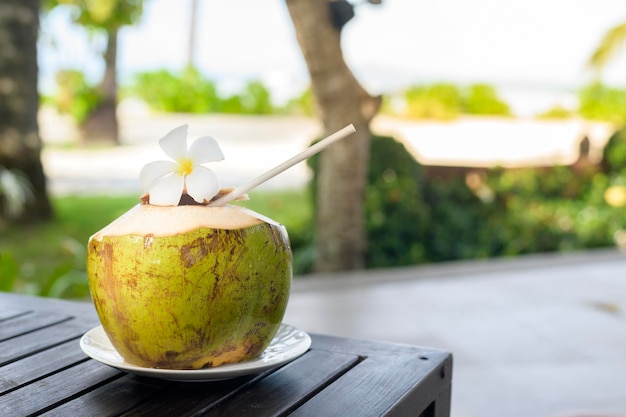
x: 394, y: 212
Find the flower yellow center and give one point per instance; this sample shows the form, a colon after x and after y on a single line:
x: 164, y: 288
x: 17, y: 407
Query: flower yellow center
x: 185, y: 166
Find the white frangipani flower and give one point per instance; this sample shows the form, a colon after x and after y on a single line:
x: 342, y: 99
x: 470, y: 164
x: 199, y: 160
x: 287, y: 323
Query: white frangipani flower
x: 166, y: 181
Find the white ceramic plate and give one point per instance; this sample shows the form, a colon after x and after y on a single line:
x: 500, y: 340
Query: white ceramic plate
x: 288, y: 344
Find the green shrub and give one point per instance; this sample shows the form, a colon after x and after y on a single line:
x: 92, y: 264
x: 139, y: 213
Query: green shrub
x: 256, y: 99
x: 414, y: 215
x: 68, y: 278
x: 395, y: 214
x: 458, y: 221
x: 482, y: 99
x: 553, y: 209
x: 75, y: 95
x: 556, y: 113
x: 437, y: 101
x: 411, y: 219
x: 600, y: 102
x: 303, y: 105
x: 614, y: 153
x: 188, y: 92
x: 443, y: 101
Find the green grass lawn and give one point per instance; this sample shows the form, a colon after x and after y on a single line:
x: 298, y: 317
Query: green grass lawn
x: 49, y: 259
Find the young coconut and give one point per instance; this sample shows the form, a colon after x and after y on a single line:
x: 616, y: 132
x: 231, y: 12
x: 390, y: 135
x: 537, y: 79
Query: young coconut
x: 181, y: 285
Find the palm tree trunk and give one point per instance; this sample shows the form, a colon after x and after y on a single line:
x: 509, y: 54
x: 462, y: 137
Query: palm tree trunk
x: 20, y: 143
x: 340, y: 225
x: 102, y: 125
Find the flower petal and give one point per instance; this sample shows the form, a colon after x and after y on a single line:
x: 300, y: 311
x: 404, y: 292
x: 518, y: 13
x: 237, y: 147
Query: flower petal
x: 167, y: 190
x: 205, y: 149
x: 153, y: 171
x: 174, y: 144
x: 202, y: 184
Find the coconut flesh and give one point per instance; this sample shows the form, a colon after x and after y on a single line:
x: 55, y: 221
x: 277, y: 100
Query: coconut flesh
x: 190, y: 286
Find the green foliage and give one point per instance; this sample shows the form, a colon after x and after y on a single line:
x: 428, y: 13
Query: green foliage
x: 556, y: 209
x: 600, y: 102
x: 191, y: 92
x: 531, y: 210
x: 231, y: 105
x: 438, y: 101
x: 419, y: 215
x: 442, y: 101
x: 609, y: 46
x: 257, y: 99
x: 458, y: 217
x: 411, y: 218
x: 101, y: 14
x: 614, y: 154
x: 75, y: 96
x: 303, y: 105
x: 48, y: 259
x: 483, y: 99
x: 395, y: 231
x: 67, y: 279
x: 555, y: 113
x: 188, y: 92
x: 9, y: 271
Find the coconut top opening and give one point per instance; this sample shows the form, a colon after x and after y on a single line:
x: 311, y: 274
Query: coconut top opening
x: 151, y: 220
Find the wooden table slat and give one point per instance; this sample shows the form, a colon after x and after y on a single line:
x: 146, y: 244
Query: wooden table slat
x: 42, y: 370
x: 56, y: 389
x: 289, y: 387
x: 19, y: 347
x: 370, y: 389
x: 270, y: 394
x: 112, y: 399
x: 40, y: 364
x: 186, y: 399
x: 29, y: 322
x: 431, y: 393
x: 8, y: 313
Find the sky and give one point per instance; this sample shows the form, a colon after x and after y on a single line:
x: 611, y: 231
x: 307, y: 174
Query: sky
x: 532, y: 48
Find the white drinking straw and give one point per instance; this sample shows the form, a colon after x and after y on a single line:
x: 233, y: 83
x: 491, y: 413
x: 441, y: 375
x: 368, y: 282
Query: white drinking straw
x: 307, y: 153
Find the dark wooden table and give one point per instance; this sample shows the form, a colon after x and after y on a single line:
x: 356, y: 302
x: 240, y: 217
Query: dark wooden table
x: 44, y: 372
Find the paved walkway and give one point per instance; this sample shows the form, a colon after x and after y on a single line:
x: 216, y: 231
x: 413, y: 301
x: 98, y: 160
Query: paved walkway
x: 540, y: 336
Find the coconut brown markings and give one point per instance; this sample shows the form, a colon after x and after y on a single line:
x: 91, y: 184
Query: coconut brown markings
x: 282, y: 246
x: 197, y: 250
x: 270, y: 308
x: 170, y: 356
x: 252, y: 343
x: 99, y: 302
x: 230, y: 352
x: 218, y: 288
x: 105, y: 280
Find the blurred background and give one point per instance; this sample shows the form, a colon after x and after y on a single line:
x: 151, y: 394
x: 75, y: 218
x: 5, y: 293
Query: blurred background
x: 487, y: 131
x: 496, y: 130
